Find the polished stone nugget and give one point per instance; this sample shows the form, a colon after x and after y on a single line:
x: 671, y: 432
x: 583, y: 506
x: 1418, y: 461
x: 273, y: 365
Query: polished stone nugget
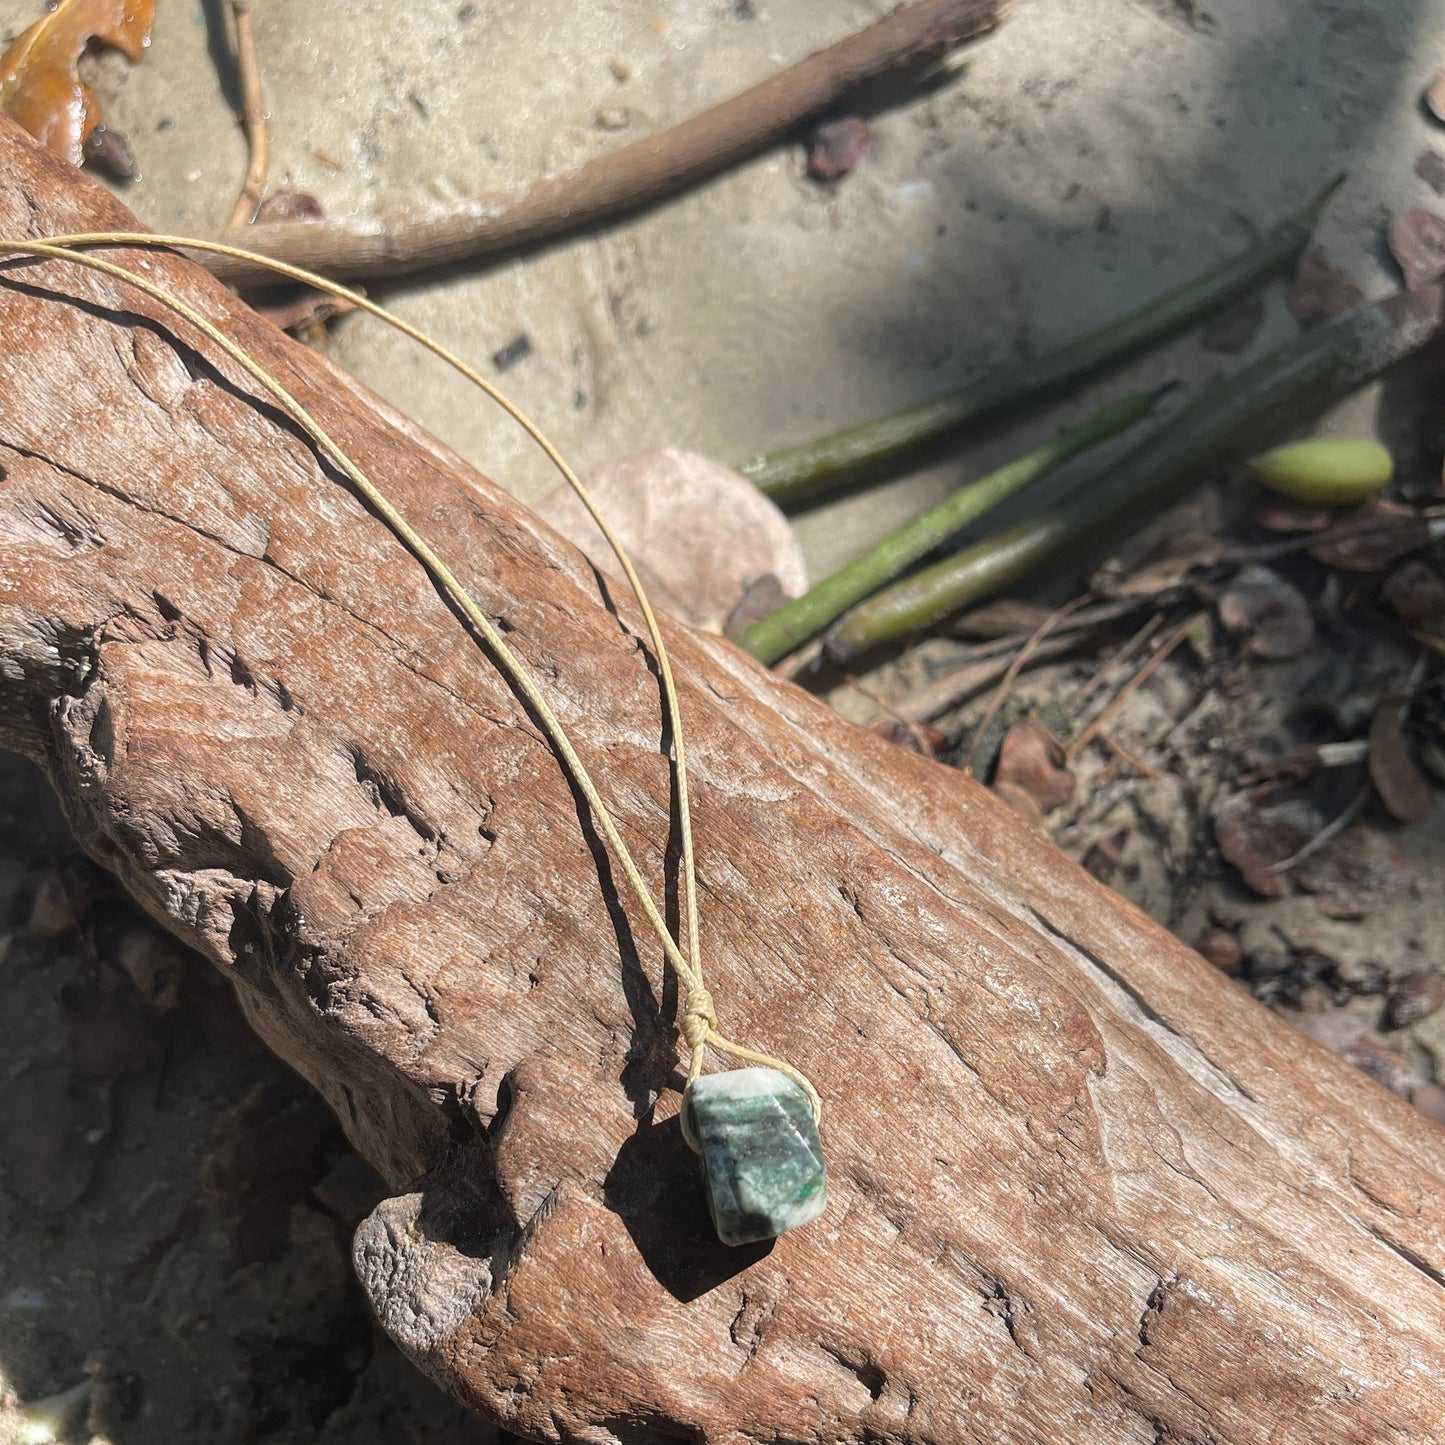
x: 760, y: 1153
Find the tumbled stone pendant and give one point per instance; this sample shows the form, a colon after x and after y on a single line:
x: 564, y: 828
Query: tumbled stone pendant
x: 760, y: 1153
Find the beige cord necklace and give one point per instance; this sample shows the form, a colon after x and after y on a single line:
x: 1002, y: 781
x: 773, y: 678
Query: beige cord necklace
x: 756, y: 1128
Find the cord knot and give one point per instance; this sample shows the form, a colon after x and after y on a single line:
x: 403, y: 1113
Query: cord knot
x: 698, y: 1018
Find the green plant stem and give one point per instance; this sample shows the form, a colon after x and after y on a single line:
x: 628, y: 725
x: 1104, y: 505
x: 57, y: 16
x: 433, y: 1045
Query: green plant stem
x: 1277, y: 393
x: 799, y: 473
x: 780, y: 632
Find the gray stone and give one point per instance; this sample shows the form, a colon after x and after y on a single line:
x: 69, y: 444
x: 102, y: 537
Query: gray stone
x: 761, y: 1156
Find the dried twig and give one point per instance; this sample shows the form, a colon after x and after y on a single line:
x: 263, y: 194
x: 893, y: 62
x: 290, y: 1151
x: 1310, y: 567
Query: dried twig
x: 1428, y: 523
x: 960, y: 684
x: 1014, y: 668
x: 253, y: 117
x: 1116, y: 663
x: 1134, y: 683
x: 649, y: 170
x: 1331, y: 829
x: 1146, y: 770
x: 920, y: 738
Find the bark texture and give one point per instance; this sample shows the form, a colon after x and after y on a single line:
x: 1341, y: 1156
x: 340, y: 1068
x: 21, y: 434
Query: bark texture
x: 1083, y: 1189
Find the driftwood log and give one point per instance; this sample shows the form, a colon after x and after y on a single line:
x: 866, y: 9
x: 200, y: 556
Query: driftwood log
x: 1083, y: 1188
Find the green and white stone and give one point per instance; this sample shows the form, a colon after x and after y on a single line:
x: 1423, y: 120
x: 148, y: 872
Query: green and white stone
x: 760, y: 1153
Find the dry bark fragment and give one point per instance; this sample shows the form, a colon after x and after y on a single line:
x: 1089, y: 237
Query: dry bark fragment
x: 1077, y: 1176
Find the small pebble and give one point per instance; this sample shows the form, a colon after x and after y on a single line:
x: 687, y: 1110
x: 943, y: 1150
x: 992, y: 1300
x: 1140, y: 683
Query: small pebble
x: 518, y: 349
x: 1234, y: 328
x: 620, y: 68
x: 1429, y: 1099
x: 52, y: 915
x: 155, y: 966
x: 109, y: 152
x: 836, y: 146
x: 612, y: 117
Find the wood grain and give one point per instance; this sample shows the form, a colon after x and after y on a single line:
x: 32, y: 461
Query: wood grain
x: 1083, y: 1188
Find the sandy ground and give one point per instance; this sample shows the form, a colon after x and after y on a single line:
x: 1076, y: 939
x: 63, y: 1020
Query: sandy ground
x: 1093, y: 152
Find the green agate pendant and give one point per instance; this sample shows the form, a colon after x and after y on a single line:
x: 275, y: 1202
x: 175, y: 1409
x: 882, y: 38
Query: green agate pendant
x: 760, y: 1153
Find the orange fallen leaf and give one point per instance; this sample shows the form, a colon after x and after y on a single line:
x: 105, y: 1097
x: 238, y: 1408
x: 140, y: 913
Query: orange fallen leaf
x: 41, y: 88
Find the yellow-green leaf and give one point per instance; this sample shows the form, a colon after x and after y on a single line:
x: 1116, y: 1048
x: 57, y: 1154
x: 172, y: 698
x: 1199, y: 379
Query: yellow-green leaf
x: 1326, y: 471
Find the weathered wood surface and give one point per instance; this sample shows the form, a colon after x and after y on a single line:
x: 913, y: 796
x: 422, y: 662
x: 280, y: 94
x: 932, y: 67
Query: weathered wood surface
x: 1083, y: 1189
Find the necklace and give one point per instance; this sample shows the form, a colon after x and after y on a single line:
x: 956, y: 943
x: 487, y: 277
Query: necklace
x: 754, y: 1127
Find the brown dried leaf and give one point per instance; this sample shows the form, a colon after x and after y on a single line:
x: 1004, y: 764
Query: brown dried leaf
x: 1022, y: 802
x: 1033, y: 759
x: 1416, y: 592
x: 1261, y: 607
x: 698, y: 533
x: 1417, y: 242
x: 1254, y: 839
x: 1320, y: 290
x: 1402, y: 787
x: 1415, y: 996
x: 40, y: 87
x: 1401, y: 531
x: 1355, y: 874
x: 52, y: 1124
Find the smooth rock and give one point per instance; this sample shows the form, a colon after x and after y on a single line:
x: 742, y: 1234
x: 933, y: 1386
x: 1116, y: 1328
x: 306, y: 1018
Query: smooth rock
x: 761, y: 1155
